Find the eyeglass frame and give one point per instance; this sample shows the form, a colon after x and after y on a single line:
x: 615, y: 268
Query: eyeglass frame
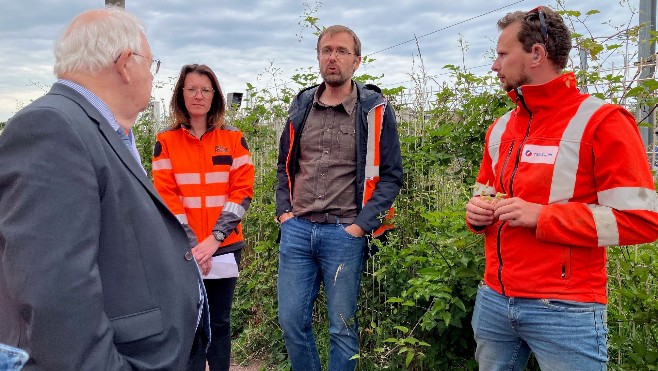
x: 192, y: 91
x: 153, y: 60
x: 340, y: 53
x: 543, y: 28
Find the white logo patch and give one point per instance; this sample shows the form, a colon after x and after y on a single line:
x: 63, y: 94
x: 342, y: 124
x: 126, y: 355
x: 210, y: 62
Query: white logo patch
x: 539, y: 154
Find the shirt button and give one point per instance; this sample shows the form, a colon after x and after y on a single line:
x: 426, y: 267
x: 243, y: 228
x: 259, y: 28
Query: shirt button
x: 188, y: 255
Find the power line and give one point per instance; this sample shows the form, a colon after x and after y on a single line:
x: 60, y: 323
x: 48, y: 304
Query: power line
x: 445, y: 28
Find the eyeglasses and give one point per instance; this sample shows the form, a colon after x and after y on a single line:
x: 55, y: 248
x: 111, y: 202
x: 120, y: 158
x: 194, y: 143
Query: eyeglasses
x: 155, y: 63
x: 340, y: 53
x: 205, y: 92
x: 542, y: 24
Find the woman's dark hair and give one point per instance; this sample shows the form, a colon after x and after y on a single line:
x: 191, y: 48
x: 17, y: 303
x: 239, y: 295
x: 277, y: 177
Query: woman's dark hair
x: 179, y: 113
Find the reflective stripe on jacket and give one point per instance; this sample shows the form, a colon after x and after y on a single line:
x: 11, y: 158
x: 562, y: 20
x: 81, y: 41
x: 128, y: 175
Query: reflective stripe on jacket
x: 584, y: 160
x: 378, y: 159
x: 207, y: 183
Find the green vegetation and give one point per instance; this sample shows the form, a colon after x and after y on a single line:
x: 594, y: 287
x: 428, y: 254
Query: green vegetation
x: 418, y: 291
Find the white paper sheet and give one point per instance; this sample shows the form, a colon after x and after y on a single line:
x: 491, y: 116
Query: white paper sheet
x: 223, y: 266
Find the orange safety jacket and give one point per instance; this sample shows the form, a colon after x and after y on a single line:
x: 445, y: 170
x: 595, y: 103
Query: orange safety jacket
x: 208, y: 183
x: 585, y: 162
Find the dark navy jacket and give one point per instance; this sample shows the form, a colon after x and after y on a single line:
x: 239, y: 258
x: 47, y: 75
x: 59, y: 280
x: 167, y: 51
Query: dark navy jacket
x: 371, y: 210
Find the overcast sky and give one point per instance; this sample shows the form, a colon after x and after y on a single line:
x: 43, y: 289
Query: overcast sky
x: 242, y: 40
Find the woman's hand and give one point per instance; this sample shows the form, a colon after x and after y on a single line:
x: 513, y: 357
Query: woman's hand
x: 205, y: 267
x: 205, y: 249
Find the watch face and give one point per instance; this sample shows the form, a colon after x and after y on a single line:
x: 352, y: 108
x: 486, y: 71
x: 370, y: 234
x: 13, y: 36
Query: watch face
x: 219, y: 236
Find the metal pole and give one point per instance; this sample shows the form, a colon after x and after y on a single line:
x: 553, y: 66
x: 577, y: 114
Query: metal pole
x: 647, y: 60
x: 119, y: 3
x: 583, y: 70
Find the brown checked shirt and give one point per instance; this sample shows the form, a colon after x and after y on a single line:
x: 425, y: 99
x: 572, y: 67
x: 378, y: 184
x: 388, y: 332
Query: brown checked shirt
x: 327, y: 162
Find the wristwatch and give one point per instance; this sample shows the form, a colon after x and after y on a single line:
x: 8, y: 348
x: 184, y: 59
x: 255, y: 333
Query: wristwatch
x: 219, y: 236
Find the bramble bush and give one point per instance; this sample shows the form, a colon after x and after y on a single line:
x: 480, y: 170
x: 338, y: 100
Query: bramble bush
x: 418, y: 291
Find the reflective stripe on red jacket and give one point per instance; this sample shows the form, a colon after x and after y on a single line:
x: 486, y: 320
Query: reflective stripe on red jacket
x: 207, y: 183
x: 582, y: 158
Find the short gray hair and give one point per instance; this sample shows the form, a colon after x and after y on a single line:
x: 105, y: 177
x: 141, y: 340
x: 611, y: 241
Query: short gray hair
x: 95, y: 39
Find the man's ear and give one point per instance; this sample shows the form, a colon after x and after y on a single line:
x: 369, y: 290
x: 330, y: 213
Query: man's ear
x: 121, y: 65
x: 539, y: 53
x: 357, y: 63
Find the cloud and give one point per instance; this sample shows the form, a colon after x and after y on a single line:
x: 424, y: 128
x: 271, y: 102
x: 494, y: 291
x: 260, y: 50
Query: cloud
x: 245, y: 41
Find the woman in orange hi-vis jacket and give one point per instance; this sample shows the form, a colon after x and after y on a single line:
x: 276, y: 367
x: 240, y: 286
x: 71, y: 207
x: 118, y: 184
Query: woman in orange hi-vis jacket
x: 202, y: 169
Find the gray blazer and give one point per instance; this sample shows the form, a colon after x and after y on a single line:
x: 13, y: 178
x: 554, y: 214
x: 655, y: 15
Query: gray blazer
x: 93, y: 268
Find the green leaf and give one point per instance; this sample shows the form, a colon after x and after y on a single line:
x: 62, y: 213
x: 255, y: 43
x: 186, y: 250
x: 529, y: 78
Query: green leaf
x: 446, y: 316
x: 410, y: 357
x: 401, y: 328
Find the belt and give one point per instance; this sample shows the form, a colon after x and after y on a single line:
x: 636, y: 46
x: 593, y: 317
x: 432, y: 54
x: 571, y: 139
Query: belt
x: 327, y: 218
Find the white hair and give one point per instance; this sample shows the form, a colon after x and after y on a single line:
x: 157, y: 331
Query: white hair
x: 95, y: 39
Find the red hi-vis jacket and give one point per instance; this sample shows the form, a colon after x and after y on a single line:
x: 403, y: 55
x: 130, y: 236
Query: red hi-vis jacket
x: 207, y: 183
x: 584, y: 160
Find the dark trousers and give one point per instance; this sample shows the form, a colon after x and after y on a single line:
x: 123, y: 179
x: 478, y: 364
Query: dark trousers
x: 197, y: 360
x: 220, y: 297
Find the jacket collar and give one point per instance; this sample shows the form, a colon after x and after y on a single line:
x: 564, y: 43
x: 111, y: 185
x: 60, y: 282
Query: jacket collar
x: 550, y: 95
x: 368, y: 96
x: 108, y: 134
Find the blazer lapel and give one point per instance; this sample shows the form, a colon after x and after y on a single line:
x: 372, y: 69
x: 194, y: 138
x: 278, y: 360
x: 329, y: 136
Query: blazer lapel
x: 110, y: 136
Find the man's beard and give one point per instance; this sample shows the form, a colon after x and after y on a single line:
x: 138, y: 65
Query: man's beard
x: 524, y: 79
x: 335, y: 79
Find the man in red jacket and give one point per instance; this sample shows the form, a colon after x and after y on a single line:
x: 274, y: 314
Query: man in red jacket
x: 563, y: 175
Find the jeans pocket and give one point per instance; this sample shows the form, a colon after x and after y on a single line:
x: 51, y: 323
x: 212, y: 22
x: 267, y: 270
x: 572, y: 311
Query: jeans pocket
x: 342, y: 227
x: 568, y: 306
x: 287, y: 220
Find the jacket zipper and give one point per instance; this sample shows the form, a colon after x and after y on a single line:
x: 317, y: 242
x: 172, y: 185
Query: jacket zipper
x: 525, y: 137
x: 500, y: 229
x: 519, y: 97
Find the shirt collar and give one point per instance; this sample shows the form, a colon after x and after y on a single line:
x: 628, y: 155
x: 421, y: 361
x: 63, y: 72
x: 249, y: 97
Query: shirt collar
x: 348, y: 104
x: 95, y: 101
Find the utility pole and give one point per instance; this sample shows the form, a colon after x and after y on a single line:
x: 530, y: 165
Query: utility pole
x: 582, y: 84
x: 119, y: 3
x: 647, y: 63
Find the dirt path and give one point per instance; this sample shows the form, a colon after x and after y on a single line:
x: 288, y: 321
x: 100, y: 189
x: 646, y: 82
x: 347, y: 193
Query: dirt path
x: 236, y: 367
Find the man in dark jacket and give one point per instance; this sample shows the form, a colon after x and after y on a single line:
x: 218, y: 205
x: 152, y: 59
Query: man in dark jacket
x: 339, y: 171
x: 95, y: 272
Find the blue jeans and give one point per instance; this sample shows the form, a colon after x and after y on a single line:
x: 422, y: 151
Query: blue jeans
x: 311, y: 253
x: 12, y: 359
x: 563, y: 335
